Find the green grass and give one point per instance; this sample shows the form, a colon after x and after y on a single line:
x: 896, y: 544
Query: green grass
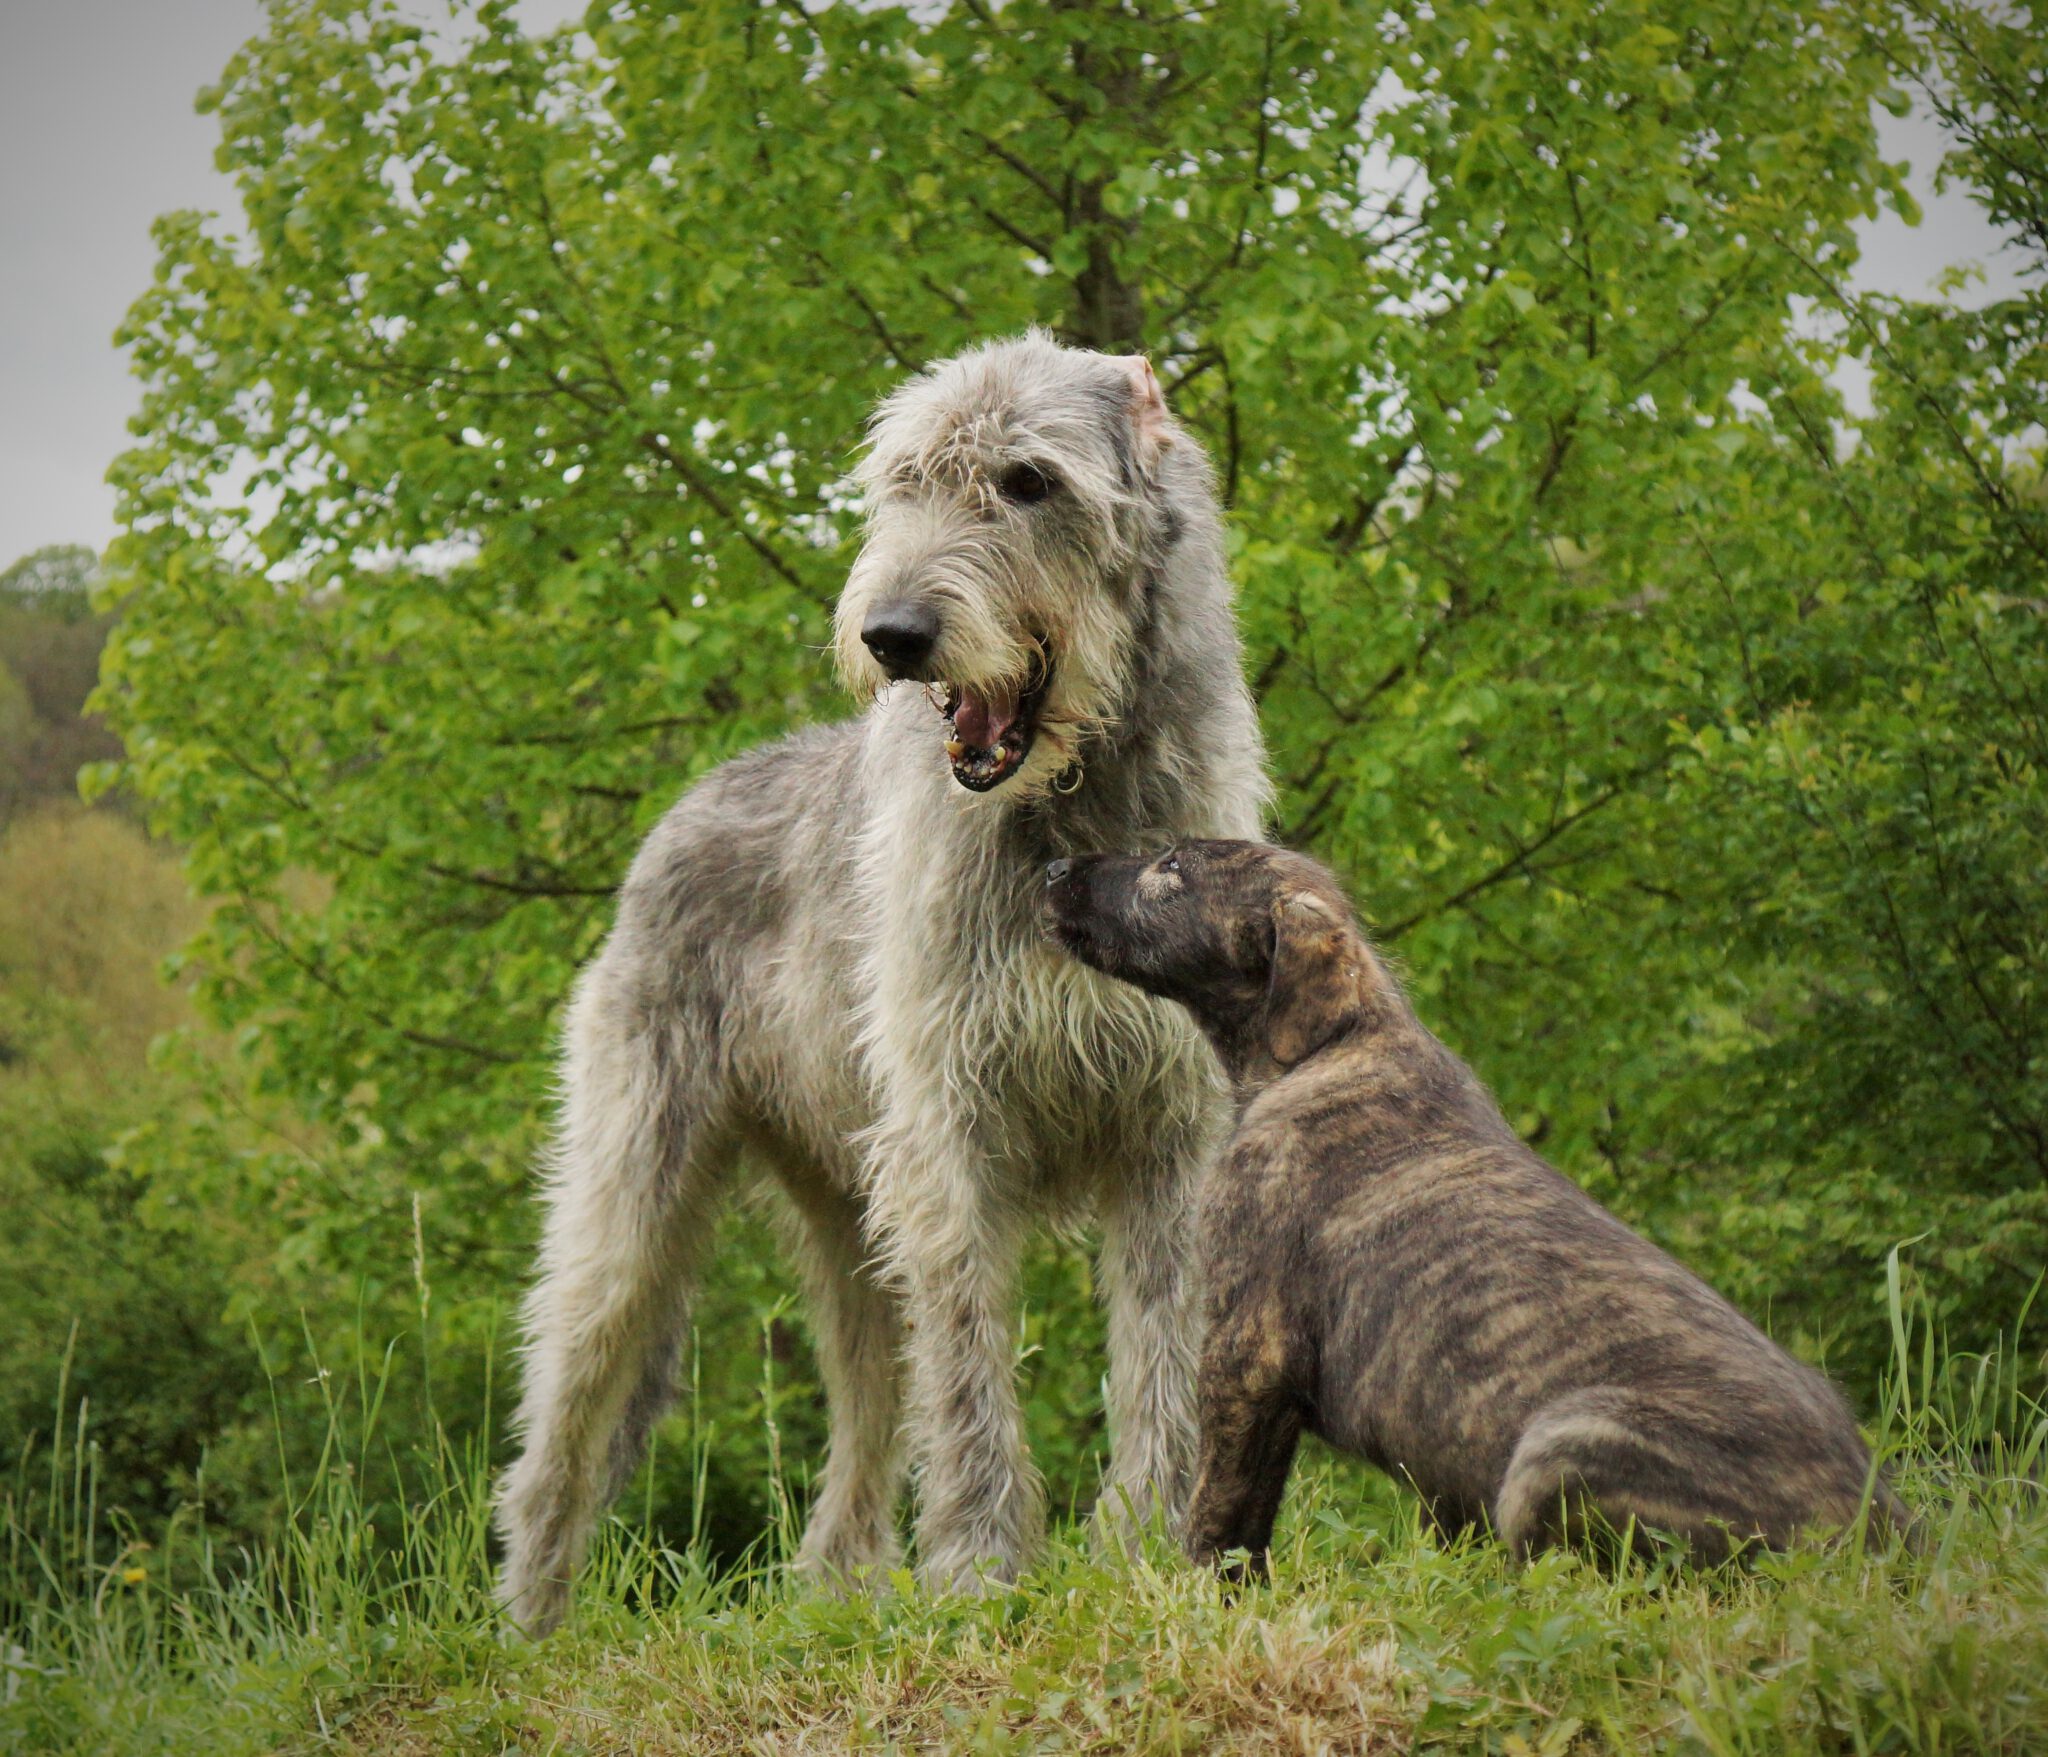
x: 370, y: 1630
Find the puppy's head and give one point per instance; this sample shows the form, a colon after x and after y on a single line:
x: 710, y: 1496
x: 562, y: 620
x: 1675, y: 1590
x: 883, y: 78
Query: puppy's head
x: 1257, y: 942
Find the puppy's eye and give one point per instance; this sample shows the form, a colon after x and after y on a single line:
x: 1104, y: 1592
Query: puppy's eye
x: 1025, y: 484
x: 1170, y: 864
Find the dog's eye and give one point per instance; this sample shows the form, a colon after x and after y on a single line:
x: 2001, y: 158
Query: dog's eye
x: 1025, y: 484
x: 1170, y: 864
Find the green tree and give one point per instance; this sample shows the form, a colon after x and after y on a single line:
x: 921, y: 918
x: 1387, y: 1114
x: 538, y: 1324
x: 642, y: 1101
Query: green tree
x: 1871, y: 785
x: 57, y: 579
x: 50, y: 642
x: 538, y: 368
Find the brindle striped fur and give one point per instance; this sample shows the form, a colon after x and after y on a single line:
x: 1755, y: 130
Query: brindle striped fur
x: 1389, y: 1266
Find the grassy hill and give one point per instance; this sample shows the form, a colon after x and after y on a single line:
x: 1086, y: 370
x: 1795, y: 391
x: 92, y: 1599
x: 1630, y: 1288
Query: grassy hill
x: 369, y: 1630
x: 185, y: 1567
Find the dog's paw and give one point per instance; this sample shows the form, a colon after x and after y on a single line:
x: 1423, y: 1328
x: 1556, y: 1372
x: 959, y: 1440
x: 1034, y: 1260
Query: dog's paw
x: 969, y: 1576
x: 533, y: 1606
x: 1125, y: 1518
x: 846, y: 1570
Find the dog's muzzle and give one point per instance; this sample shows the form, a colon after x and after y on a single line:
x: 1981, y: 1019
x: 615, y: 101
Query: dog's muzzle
x: 1071, y: 915
x: 990, y: 731
x: 901, y: 635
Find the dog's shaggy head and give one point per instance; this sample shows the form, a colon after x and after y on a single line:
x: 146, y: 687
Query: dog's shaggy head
x: 1257, y: 942
x: 1011, y: 493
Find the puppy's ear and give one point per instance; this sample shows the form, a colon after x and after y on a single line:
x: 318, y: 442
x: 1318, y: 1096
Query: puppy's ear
x: 1322, y: 976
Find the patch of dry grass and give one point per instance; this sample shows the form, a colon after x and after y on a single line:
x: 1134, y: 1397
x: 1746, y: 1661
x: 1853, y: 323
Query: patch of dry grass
x: 370, y: 1631
x: 1373, y: 1639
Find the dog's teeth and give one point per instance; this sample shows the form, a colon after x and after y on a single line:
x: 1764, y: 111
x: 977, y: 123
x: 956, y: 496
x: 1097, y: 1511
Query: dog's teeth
x: 955, y: 749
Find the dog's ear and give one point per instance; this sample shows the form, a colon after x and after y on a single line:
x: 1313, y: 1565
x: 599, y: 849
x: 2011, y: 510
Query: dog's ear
x: 1148, y: 404
x: 1321, y: 977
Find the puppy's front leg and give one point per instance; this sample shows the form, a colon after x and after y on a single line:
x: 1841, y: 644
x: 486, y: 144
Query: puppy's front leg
x: 1251, y: 1422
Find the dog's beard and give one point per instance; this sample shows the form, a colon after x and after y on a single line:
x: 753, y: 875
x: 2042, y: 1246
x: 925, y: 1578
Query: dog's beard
x: 1027, y: 731
x: 1020, y: 690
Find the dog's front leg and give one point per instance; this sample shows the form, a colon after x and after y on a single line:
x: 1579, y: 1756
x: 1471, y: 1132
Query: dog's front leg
x: 954, y: 1249
x: 1147, y: 1275
x: 1251, y: 1423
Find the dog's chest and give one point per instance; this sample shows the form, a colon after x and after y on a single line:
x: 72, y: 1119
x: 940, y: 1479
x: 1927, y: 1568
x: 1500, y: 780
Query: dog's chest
x: 964, y: 987
x: 1074, y: 1074
x: 1008, y: 1021
x: 1071, y: 1023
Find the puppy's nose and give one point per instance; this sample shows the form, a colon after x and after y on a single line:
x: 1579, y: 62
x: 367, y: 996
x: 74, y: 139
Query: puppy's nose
x: 901, y: 636
x: 1057, y: 870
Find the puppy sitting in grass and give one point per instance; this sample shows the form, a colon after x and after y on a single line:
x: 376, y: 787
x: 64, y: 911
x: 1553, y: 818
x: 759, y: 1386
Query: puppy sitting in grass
x: 1387, y: 1264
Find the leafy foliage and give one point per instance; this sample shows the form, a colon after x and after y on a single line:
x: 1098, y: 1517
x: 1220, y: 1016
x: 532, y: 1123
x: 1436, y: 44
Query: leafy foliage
x: 116, y: 1285
x: 50, y: 643
x: 1682, y: 729
x: 1870, y: 786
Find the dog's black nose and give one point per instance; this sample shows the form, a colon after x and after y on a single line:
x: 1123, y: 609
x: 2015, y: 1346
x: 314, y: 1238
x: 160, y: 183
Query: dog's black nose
x: 901, y: 636
x: 1057, y: 870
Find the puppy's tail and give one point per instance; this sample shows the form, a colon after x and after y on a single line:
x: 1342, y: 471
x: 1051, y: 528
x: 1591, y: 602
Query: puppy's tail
x: 1611, y: 1458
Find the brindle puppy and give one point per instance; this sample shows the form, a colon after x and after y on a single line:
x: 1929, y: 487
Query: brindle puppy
x: 1389, y: 1266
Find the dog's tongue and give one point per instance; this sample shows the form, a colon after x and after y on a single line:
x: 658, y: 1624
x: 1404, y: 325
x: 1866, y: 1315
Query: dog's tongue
x: 981, y: 721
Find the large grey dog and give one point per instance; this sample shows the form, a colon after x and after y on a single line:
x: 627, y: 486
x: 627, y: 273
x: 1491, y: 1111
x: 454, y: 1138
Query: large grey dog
x: 829, y: 961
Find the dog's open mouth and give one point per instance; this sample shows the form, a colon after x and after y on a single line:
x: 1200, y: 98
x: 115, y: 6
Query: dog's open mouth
x: 990, y: 731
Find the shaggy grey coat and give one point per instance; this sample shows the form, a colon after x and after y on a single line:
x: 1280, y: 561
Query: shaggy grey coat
x: 828, y: 963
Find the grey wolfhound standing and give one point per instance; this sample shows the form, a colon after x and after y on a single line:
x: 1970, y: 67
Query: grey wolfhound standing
x: 828, y: 960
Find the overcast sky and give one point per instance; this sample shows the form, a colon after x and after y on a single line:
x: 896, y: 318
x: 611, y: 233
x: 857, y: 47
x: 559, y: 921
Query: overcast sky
x: 98, y: 136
